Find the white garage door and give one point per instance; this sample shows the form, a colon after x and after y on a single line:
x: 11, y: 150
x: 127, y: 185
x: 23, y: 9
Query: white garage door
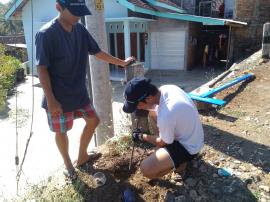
x: 168, y: 50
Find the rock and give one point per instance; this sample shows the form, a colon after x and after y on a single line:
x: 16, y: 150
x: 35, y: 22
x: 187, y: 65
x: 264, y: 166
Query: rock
x: 241, y: 152
x: 203, y: 168
x: 236, y: 184
x: 213, y: 189
x: 222, y: 159
x: 228, y: 189
x: 263, y: 200
x: 265, y: 188
x: 179, y: 183
x: 256, y: 178
x: 247, y: 118
x: 217, y: 163
x: 169, y: 197
x: 242, y: 168
x: 248, y: 181
x: 215, y: 175
x: 172, y: 181
x: 180, y: 198
x: 191, y: 182
x: 195, y: 164
x: 193, y: 195
x: 237, y: 162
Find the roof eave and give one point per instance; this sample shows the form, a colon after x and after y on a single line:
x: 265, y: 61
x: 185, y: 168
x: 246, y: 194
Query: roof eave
x: 18, y: 4
x: 166, y: 6
x: 186, y: 17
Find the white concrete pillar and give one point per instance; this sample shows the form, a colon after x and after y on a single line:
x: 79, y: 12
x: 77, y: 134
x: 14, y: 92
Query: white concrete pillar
x: 101, y: 86
x: 115, y: 44
x: 138, y: 47
x: 127, y: 39
x: 266, y: 41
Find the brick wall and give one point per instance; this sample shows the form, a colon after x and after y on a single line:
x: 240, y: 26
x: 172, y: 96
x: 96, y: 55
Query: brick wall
x: 255, y: 13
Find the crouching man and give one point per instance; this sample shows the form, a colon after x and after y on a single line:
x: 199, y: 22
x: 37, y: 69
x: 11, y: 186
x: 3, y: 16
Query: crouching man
x: 180, y: 136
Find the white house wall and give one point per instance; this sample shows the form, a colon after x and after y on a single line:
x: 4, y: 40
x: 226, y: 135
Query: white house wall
x: 43, y: 12
x: 168, y: 42
x: 114, y: 10
x: 229, y: 8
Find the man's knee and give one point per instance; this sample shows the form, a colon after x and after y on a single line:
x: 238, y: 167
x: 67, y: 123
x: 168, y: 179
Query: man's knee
x: 92, y: 122
x: 146, y: 170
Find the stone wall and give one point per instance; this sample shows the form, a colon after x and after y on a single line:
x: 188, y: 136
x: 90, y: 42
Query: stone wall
x: 249, y: 39
x: 12, y: 40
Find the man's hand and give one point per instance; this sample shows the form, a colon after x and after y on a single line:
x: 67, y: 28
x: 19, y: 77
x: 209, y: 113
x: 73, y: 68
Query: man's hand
x: 114, y: 60
x: 137, y: 135
x: 129, y: 61
x: 54, y: 107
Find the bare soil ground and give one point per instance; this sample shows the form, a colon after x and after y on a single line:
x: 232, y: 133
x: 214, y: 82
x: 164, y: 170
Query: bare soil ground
x: 237, y: 137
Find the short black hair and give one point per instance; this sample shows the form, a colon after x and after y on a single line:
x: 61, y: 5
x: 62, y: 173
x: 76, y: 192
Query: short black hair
x: 152, y: 90
x: 61, y: 4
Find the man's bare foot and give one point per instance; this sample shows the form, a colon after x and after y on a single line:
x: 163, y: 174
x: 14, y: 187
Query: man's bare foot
x: 70, y: 174
x: 83, y: 160
x: 86, y: 158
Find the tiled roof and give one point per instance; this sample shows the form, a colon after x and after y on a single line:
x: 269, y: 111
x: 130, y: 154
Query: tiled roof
x: 146, y: 5
x: 170, y: 3
x: 142, y: 4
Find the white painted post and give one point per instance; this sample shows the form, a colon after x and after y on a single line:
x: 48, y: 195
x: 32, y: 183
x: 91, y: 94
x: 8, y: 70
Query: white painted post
x: 266, y: 41
x: 127, y: 39
x: 138, y: 47
x: 101, y: 86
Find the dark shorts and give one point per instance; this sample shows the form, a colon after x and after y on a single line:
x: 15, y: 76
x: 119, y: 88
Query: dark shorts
x: 178, y: 154
x: 64, y: 122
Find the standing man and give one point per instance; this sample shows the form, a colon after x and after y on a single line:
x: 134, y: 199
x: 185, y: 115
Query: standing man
x: 180, y: 135
x: 62, y: 49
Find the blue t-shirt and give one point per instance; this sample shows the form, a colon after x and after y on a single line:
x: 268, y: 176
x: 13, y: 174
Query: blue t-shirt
x: 65, y: 55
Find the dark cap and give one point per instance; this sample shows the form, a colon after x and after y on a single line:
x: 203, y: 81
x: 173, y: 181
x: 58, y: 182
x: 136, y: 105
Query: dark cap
x: 75, y: 7
x: 136, y: 90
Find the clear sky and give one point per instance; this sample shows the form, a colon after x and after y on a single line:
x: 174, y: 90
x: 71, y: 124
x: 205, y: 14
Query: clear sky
x: 4, y: 1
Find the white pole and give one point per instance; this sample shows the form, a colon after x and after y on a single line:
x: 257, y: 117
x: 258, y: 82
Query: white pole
x: 127, y: 39
x: 266, y: 41
x: 101, y: 86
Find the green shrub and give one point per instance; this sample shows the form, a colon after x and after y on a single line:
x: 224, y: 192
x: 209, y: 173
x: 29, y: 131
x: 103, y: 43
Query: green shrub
x: 3, y: 95
x: 8, y: 68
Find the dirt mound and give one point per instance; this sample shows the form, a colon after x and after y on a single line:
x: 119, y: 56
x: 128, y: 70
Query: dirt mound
x: 237, y: 140
x: 236, y: 137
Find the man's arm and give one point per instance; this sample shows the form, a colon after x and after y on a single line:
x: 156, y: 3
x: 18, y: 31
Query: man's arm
x: 155, y: 140
x: 113, y: 60
x: 53, y: 105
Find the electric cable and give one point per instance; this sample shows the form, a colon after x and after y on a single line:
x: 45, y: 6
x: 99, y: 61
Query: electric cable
x: 32, y: 114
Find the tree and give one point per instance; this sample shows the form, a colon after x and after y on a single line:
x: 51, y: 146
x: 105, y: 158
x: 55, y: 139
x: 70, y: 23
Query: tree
x: 10, y: 26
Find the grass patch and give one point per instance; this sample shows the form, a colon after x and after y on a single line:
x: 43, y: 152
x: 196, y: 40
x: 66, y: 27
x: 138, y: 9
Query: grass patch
x: 119, y: 144
x: 53, y: 191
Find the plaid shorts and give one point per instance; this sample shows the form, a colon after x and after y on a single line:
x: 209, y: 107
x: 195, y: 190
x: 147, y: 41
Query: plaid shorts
x: 64, y: 122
